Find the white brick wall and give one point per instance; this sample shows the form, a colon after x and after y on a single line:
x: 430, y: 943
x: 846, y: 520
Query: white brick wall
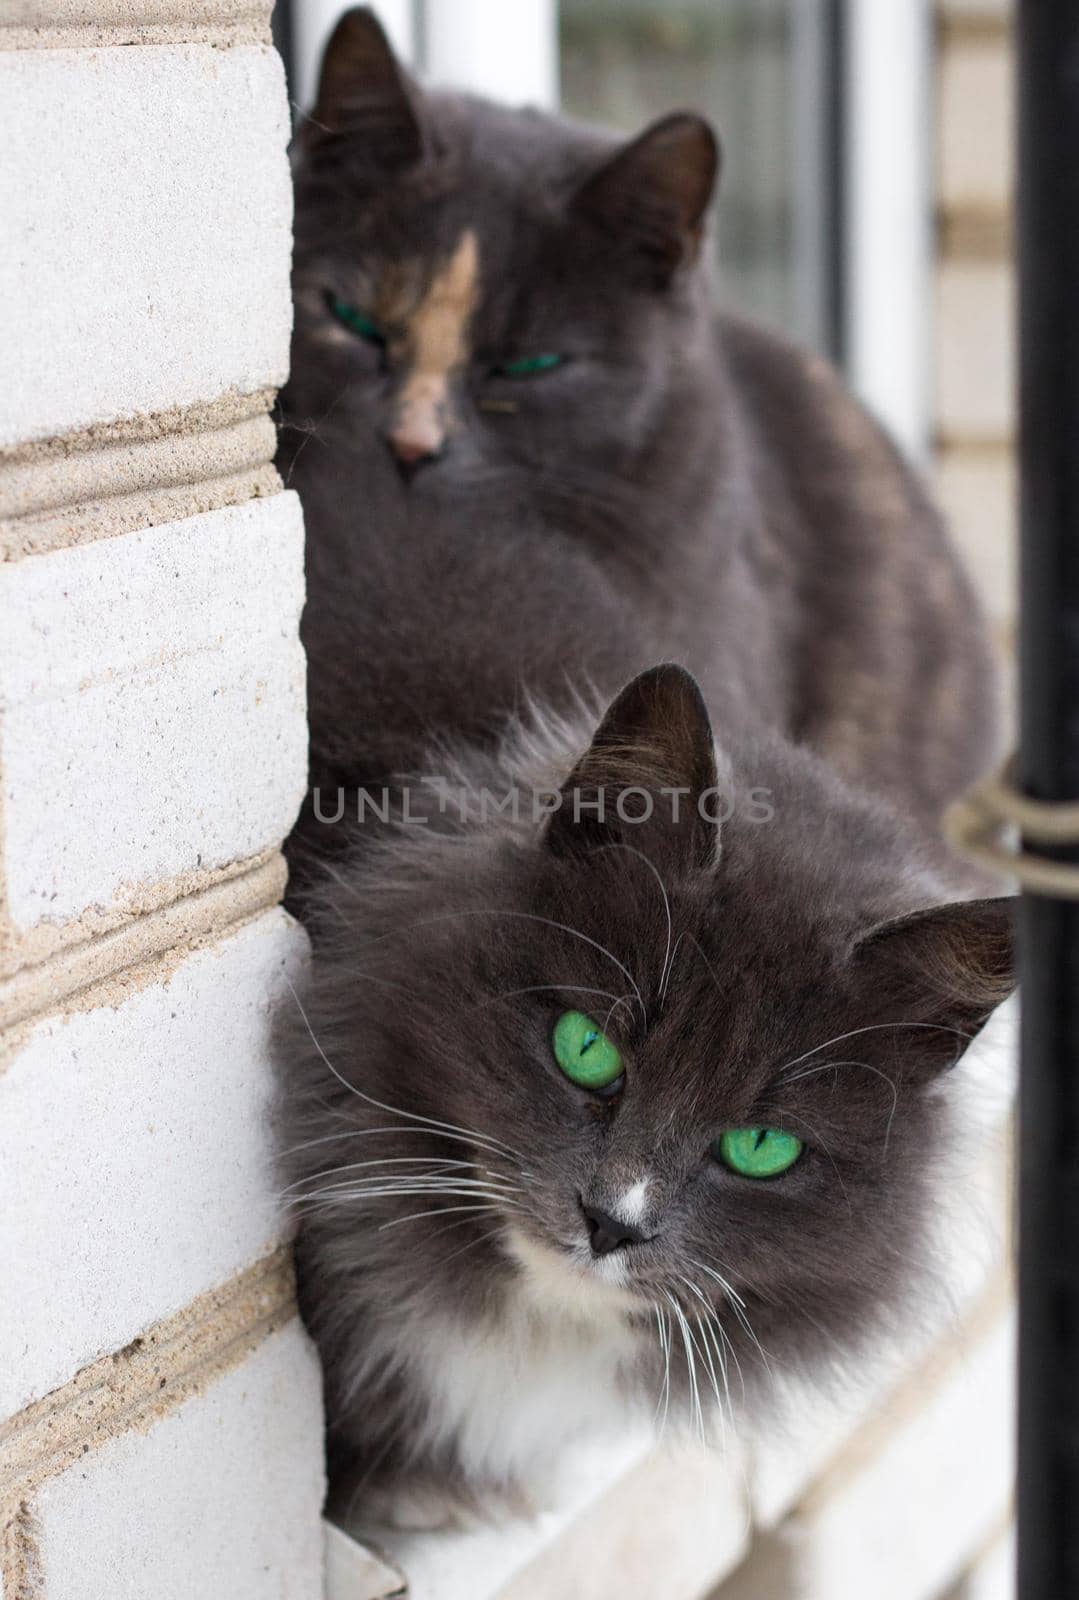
x: 160, y: 1417
x: 153, y: 708
x: 163, y: 172
x: 219, y: 1499
x: 137, y: 1168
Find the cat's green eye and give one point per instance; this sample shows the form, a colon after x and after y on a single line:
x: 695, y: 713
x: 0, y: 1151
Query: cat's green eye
x: 584, y: 1052
x: 529, y: 366
x: 757, y: 1152
x: 356, y: 321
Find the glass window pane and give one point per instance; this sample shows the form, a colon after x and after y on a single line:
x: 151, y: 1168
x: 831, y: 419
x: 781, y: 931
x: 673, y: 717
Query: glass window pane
x: 747, y: 64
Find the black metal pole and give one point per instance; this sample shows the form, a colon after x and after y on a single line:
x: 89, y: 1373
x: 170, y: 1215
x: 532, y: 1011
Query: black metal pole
x: 836, y: 37
x: 1049, y: 769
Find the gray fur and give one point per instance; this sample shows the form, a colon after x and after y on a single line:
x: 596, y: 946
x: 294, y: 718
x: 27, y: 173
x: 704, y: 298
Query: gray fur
x: 688, y: 489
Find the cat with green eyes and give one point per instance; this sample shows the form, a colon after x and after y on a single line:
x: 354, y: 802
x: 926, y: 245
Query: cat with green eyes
x: 365, y: 327
x: 593, y: 1061
x: 623, y: 1069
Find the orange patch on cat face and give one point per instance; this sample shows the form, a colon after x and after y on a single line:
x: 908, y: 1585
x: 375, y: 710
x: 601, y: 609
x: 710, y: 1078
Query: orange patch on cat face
x: 436, y: 343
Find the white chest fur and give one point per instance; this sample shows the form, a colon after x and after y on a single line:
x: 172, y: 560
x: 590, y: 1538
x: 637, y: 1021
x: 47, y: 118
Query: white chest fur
x: 514, y: 1393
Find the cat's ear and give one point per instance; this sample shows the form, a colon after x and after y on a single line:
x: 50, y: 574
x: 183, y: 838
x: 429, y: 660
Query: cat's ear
x: 642, y: 779
x: 363, y: 89
x: 945, y: 970
x: 652, y: 195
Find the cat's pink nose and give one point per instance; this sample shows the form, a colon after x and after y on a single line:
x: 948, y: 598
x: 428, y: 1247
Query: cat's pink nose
x: 412, y: 448
x: 416, y: 439
x: 417, y: 433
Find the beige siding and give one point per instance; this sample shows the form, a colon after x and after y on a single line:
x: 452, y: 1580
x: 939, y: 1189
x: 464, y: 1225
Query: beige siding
x: 974, y: 392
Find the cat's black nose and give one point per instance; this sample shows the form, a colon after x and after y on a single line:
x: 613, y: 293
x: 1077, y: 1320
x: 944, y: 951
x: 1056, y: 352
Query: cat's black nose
x: 606, y: 1233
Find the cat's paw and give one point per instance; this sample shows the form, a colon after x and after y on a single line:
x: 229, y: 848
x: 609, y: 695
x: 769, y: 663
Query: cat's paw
x: 416, y: 1508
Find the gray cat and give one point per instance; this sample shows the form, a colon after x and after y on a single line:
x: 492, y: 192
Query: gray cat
x: 623, y: 1054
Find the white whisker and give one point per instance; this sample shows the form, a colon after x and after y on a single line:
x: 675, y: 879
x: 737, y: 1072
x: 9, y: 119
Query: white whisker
x: 446, y: 1211
x: 731, y: 1293
x: 415, y: 1184
x: 472, y: 1243
x: 441, y: 1164
x: 665, y: 1330
x: 722, y: 1343
x: 633, y: 851
x: 692, y: 939
x: 706, y: 1352
x: 729, y: 1342
x: 543, y: 988
x: 708, y: 1313
x: 365, y: 1133
x: 875, y: 1027
x: 343, y: 1197
x: 619, y: 1002
x: 691, y: 1364
x: 484, y: 1141
x: 528, y: 916
x: 797, y: 1119
x: 826, y: 1066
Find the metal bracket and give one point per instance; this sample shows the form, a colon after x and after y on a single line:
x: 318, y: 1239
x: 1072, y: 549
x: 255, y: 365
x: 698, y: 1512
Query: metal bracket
x: 994, y: 822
